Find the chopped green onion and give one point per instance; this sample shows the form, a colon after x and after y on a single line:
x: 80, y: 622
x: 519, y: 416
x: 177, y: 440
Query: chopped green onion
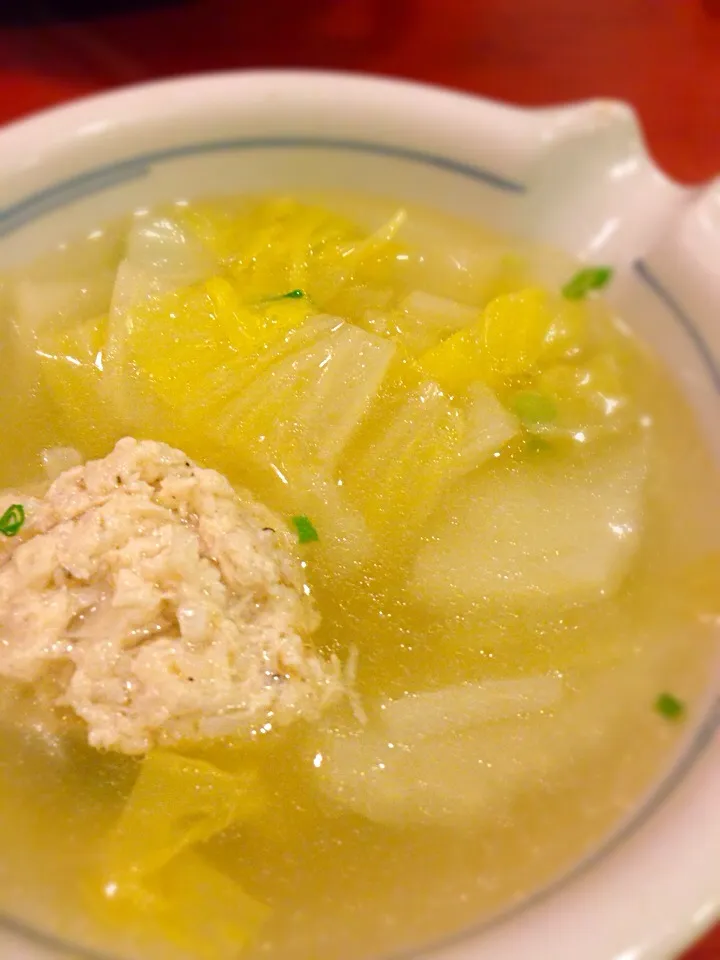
x: 535, y: 445
x: 290, y: 295
x: 669, y: 706
x: 12, y: 520
x: 534, y: 408
x: 590, y: 278
x: 305, y: 530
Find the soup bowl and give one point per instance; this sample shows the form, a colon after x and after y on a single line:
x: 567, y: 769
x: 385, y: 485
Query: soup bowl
x: 575, y: 176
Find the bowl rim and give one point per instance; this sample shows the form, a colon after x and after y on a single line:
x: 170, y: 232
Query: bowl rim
x: 65, y: 120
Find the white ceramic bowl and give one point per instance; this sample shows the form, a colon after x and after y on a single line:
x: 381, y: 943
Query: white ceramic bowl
x: 578, y: 176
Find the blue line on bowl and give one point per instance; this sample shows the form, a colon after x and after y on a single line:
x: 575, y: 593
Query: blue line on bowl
x: 63, y: 193
x: 102, y: 178
x: 683, y: 318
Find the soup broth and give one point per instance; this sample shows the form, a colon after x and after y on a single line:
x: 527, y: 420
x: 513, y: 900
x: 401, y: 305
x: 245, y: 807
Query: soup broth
x: 516, y: 526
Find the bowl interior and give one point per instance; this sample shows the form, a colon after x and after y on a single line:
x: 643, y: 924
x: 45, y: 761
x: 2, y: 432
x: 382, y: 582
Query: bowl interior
x: 577, y: 177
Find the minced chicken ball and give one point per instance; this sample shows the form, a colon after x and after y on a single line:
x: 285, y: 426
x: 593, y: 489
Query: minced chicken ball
x: 159, y: 604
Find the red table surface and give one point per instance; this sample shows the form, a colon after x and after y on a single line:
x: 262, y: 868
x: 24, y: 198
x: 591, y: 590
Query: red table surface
x: 663, y: 56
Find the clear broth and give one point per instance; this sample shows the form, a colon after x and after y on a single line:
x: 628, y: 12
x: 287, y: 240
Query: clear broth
x: 339, y: 886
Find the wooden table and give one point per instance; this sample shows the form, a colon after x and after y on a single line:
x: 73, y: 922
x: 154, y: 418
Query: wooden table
x: 661, y: 55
